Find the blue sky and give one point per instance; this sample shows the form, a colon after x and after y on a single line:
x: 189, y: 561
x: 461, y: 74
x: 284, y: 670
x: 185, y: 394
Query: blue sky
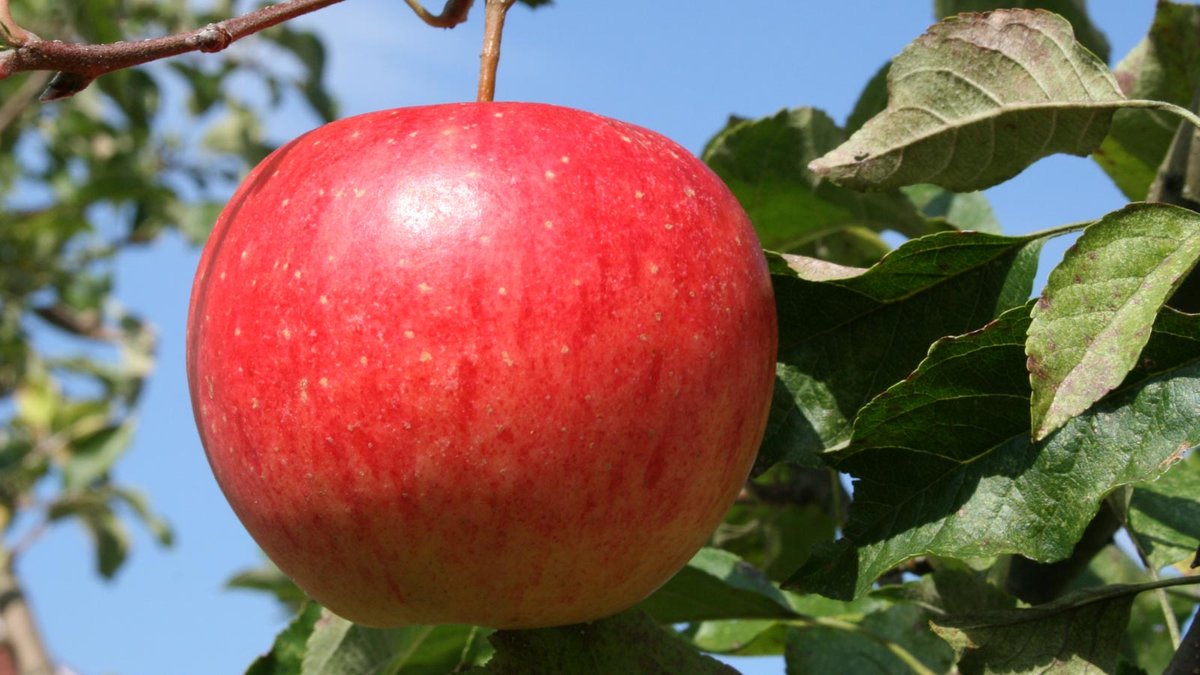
x: 679, y: 68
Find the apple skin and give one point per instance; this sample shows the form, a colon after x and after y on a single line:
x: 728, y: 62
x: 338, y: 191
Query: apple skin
x: 504, y: 364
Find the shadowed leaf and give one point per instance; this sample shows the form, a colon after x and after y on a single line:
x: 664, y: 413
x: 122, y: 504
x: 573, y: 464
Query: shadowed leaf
x: 944, y: 464
x: 847, y: 334
x: 1078, y: 633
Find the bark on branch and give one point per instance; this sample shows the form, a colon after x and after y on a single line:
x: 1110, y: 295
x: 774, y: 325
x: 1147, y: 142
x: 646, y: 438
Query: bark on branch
x: 78, y: 64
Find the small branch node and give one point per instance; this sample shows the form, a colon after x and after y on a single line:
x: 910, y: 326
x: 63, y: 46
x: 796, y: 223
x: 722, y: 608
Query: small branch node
x: 212, y: 38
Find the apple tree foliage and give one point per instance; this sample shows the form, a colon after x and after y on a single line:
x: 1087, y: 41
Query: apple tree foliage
x: 142, y: 154
x: 949, y: 459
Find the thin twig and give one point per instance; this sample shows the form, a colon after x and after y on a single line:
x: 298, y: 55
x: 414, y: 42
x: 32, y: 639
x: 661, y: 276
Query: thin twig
x: 79, y: 64
x: 489, y: 60
x: 454, y: 13
x: 12, y: 33
x: 12, y: 107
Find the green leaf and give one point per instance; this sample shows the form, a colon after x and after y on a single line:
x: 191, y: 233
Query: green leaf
x: 944, y: 464
x: 287, y: 654
x: 1164, y: 515
x: 1164, y: 66
x: 1078, y: 633
x: 269, y: 579
x: 110, y: 538
x: 91, y: 456
x: 1147, y: 642
x: 630, y: 642
x: 1074, y: 11
x: 872, y: 101
x: 963, y: 210
x: 896, y: 640
x: 338, y: 646
x: 765, y: 163
x: 1100, y: 303
x: 717, y: 584
x: 845, y: 334
x: 977, y: 99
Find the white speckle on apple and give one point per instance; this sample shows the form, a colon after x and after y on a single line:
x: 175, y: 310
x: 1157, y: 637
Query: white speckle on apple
x: 253, y: 283
x: 409, y: 334
x: 324, y: 381
x: 407, y: 425
x: 424, y: 287
x: 474, y: 146
x: 391, y: 141
x: 658, y: 316
x: 303, y: 386
x: 653, y: 268
x: 413, y: 134
x: 426, y: 356
x: 577, y: 282
x: 627, y: 139
x: 643, y: 337
x: 287, y: 334
x: 503, y: 291
x: 689, y: 192
x: 359, y: 192
x: 565, y: 349
x: 221, y: 276
x: 669, y: 226
x: 362, y: 360
x: 549, y: 175
x: 472, y: 175
x: 549, y: 224
x: 356, y: 134
x: 323, y: 300
x: 237, y: 332
x: 244, y: 253
x: 254, y: 404
x: 639, y: 194
x: 208, y: 381
x: 283, y: 204
x: 499, y: 114
x: 507, y: 359
x: 316, y: 143
x: 296, y: 274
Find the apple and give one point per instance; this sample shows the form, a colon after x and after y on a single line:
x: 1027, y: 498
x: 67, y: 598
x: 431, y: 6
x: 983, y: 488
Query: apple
x: 504, y: 364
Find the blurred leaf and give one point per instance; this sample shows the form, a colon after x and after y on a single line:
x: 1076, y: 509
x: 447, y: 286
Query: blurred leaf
x: 1080, y: 632
x: 716, y: 584
x: 765, y: 163
x: 872, y: 101
x: 975, y: 100
x: 269, y: 579
x: 1074, y: 11
x: 110, y: 538
x: 137, y: 502
x: 1164, y: 515
x: 964, y: 211
x: 944, y: 464
x: 338, y: 646
x: 90, y: 457
x: 287, y: 654
x: 1099, y: 304
x: 845, y: 335
x: 892, y: 641
x: 598, y: 648
x: 1164, y: 66
x: 777, y: 538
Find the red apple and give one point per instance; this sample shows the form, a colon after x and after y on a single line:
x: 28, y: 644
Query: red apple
x: 505, y: 364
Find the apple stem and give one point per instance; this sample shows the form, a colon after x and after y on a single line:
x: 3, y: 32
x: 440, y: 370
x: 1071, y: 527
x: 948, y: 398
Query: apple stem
x: 489, y: 60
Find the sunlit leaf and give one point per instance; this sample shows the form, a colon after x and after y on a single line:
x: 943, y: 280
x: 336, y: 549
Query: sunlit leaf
x: 1099, y: 304
x: 975, y: 100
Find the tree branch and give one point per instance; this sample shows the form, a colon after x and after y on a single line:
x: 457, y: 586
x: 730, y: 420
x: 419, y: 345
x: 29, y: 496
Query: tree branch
x: 454, y: 13
x: 79, y: 64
